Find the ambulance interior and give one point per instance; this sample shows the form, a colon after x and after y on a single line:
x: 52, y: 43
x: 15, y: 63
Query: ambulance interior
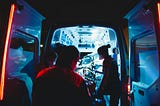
x: 87, y: 39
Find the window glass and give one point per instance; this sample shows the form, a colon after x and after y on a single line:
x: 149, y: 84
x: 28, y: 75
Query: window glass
x: 20, y: 53
x: 25, y: 33
x: 146, y: 59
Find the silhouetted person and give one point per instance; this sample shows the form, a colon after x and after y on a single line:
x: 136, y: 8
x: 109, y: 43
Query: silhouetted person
x: 115, y: 52
x: 110, y: 84
x: 50, y: 63
x: 50, y: 58
x: 61, y: 86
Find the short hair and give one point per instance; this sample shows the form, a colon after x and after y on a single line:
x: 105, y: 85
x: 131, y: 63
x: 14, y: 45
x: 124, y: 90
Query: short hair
x: 68, y: 54
x: 58, y: 47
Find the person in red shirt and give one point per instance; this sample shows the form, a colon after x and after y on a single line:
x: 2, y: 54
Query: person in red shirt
x: 61, y: 85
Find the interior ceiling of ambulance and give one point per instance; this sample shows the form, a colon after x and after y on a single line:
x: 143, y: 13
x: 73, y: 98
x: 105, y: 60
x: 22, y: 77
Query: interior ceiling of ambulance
x: 83, y: 12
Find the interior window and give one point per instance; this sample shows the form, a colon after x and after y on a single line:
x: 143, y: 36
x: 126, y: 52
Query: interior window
x: 146, y: 69
x: 21, y: 53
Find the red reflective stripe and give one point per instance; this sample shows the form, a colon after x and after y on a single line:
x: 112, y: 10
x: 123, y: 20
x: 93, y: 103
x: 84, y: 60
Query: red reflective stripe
x: 129, y: 88
x: 43, y: 71
x: 6, y: 50
x: 158, y: 5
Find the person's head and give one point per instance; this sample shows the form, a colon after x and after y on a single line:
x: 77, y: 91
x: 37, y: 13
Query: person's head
x: 68, y: 58
x: 114, y: 50
x: 52, y: 54
x: 52, y: 57
x: 103, y: 51
x: 58, y: 47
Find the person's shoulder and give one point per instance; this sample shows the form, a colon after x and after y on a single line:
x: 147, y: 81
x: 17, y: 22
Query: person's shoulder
x: 45, y: 71
x: 78, y: 76
x: 78, y: 79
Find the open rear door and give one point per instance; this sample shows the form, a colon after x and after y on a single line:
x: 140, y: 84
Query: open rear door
x: 144, y: 31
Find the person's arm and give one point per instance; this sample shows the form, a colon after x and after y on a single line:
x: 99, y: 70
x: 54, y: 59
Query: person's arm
x: 86, y: 96
x: 104, y: 79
